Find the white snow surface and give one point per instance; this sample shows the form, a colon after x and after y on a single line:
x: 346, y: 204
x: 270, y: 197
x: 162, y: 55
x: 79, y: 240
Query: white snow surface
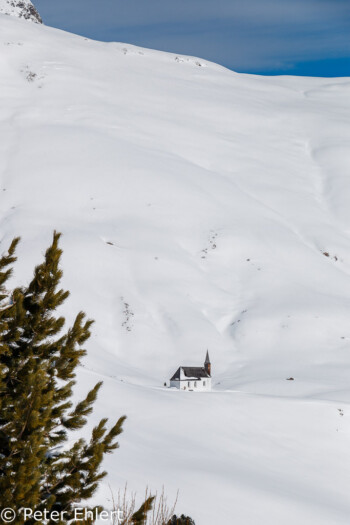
x: 199, y: 208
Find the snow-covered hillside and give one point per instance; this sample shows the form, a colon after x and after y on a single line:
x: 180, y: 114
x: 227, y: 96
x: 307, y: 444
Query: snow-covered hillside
x: 200, y: 209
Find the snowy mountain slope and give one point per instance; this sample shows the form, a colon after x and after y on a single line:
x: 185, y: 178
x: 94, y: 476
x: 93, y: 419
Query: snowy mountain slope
x: 200, y: 209
x: 21, y: 9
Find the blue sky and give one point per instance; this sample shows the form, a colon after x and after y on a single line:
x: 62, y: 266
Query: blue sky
x: 299, y: 37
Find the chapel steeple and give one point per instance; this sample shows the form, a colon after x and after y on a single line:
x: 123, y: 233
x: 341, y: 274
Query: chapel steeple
x: 207, y: 364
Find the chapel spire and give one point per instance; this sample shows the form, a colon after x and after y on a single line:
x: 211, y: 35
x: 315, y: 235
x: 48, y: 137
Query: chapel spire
x: 207, y: 364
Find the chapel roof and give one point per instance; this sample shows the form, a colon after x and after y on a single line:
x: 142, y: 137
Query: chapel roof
x: 196, y: 372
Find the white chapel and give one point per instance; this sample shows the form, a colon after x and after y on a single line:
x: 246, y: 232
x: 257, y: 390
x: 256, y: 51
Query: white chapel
x: 193, y: 378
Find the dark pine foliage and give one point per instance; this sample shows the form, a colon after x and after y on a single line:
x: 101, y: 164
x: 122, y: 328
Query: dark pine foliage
x: 140, y: 517
x: 38, y: 361
x: 181, y: 520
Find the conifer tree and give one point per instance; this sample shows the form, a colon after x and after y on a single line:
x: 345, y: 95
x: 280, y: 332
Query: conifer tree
x: 6, y: 311
x: 38, y: 362
x: 140, y: 517
x: 181, y: 520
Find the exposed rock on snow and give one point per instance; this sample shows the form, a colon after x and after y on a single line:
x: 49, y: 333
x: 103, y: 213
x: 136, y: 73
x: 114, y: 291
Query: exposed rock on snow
x: 20, y: 8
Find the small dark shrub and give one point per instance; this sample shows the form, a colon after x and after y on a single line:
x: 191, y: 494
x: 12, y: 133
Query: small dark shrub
x: 182, y: 520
